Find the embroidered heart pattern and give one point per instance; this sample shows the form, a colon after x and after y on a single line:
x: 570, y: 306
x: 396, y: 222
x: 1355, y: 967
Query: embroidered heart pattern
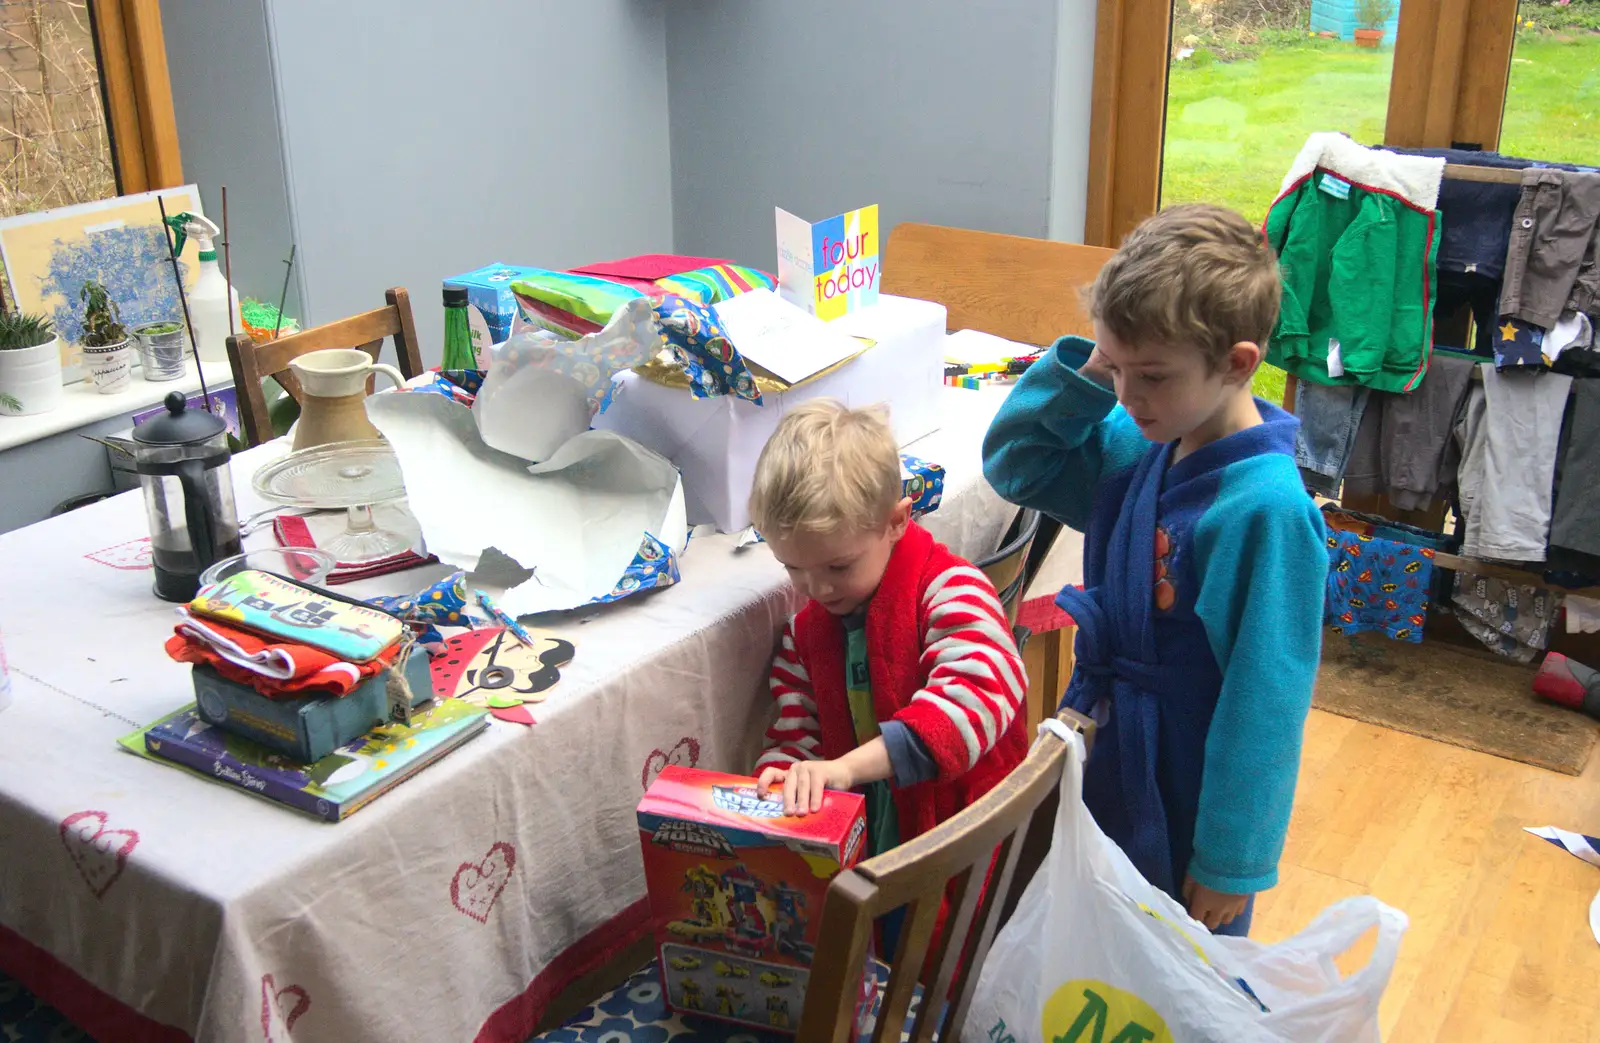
x: 100, y: 854
x: 133, y: 556
x: 477, y: 885
x: 280, y: 1009
x: 686, y: 754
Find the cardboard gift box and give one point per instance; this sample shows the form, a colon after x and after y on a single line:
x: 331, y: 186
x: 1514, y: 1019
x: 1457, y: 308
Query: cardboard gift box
x: 309, y: 728
x: 715, y: 441
x: 736, y: 891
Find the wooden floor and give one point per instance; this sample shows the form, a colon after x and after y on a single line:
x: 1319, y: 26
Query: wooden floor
x: 1499, y: 946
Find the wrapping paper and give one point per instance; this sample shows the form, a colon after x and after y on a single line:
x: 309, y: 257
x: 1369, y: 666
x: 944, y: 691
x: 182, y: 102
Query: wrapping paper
x: 573, y: 524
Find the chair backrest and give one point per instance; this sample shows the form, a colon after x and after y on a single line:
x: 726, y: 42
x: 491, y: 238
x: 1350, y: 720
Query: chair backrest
x: 1008, y: 828
x: 1007, y: 568
x: 1022, y: 289
x: 251, y: 361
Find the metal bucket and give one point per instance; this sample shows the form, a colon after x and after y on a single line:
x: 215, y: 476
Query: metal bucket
x: 163, y: 352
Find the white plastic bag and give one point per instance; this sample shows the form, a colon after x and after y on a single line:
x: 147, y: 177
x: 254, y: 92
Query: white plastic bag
x: 1095, y: 954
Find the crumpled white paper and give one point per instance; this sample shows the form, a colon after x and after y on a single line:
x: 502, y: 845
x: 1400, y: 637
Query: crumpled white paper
x: 541, y: 390
x: 575, y: 521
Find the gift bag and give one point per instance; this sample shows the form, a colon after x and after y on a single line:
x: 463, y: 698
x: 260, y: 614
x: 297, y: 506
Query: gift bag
x: 1095, y: 954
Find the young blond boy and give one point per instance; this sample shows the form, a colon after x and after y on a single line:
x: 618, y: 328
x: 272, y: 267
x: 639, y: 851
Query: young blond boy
x: 899, y: 677
x: 1199, y: 625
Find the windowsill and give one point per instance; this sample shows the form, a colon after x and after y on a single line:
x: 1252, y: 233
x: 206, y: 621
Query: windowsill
x: 82, y: 405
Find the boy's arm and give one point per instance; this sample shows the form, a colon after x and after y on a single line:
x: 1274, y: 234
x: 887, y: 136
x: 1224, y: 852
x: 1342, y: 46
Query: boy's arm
x: 794, y: 734
x: 1058, y: 433
x: 1263, y: 565
x: 975, y: 680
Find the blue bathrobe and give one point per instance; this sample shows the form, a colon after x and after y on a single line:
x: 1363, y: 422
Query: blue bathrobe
x: 1199, y: 624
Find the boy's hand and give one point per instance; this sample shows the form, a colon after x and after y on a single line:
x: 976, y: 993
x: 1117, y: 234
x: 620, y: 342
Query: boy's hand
x: 1097, y: 369
x: 1212, y: 908
x: 803, y: 784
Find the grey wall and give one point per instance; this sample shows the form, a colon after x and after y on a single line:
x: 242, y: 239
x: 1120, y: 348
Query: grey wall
x: 425, y: 139
x: 937, y: 110
x: 223, y: 96
x: 1069, y: 125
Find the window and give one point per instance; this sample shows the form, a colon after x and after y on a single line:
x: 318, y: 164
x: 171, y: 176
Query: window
x: 1554, y: 89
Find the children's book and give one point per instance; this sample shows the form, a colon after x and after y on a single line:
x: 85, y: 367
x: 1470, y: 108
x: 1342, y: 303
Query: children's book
x: 332, y: 788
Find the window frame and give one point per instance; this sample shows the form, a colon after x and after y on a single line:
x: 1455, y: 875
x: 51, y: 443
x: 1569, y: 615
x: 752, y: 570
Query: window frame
x: 1452, y: 68
x: 131, y: 50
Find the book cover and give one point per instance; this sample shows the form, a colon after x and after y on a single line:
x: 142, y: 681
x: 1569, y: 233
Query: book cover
x: 332, y: 788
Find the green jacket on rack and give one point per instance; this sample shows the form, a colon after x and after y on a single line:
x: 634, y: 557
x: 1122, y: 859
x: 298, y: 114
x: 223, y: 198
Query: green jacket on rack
x: 1357, y: 236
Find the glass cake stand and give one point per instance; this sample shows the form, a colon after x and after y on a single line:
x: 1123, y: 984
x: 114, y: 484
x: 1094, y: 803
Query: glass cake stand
x: 352, y: 476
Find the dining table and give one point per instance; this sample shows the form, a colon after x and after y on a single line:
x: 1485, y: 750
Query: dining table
x: 149, y: 904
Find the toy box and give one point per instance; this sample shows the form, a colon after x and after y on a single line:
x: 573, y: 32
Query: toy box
x: 736, y: 891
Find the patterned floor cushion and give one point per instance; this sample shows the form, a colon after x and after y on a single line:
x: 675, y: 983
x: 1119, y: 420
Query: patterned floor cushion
x: 636, y: 1012
x: 25, y: 1019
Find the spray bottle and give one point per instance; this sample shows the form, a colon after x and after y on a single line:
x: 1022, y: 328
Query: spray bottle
x: 212, y: 298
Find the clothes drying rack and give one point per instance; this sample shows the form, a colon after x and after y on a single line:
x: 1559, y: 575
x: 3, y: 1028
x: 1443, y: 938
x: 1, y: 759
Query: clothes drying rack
x: 1433, y: 516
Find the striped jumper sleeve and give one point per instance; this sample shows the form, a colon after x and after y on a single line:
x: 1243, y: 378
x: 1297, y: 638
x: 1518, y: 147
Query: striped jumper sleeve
x: 975, y: 680
x: 795, y: 734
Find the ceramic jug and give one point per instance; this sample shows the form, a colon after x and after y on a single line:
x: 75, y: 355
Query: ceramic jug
x: 333, y: 403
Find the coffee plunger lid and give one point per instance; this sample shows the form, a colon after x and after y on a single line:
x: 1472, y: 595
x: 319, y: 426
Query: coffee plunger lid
x: 180, y: 425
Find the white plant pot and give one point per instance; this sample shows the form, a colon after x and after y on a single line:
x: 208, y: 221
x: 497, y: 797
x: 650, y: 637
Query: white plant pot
x: 110, y: 366
x: 30, y: 379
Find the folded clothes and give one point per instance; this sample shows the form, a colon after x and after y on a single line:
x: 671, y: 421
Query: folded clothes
x: 273, y: 668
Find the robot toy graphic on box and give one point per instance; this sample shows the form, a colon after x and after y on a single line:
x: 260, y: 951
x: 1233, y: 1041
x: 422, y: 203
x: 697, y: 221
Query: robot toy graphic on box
x: 731, y: 881
x: 748, y: 934
x: 789, y: 927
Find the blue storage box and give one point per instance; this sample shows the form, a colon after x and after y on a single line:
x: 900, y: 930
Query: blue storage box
x: 489, y: 291
x: 305, y: 729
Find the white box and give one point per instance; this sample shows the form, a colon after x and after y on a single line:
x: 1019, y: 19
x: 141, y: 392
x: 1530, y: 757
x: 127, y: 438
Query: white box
x: 715, y: 441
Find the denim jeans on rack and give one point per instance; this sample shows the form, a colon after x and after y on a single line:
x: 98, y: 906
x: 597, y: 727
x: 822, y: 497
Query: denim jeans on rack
x: 1329, y: 416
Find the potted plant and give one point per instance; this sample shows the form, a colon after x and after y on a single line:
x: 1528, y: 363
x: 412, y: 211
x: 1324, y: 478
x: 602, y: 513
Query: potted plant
x: 105, y: 340
x: 161, y: 349
x: 1373, y: 16
x: 30, y: 365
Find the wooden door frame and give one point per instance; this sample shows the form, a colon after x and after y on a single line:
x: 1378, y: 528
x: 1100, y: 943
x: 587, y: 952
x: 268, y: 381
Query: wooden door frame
x: 1452, y: 65
x: 132, y: 53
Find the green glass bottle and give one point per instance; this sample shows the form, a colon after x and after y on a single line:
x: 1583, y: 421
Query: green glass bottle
x: 458, y: 353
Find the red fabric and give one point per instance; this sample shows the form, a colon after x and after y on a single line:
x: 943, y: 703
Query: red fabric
x: 647, y: 267
x: 292, y: 531
x: 313, y: 675
x: 1041, y: 615
x: 897, y: 619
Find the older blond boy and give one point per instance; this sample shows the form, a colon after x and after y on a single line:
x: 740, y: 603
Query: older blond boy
x: 1199, y: 625
x: 899, y: 677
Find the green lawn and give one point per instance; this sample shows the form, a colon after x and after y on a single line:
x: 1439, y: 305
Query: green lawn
x: 1233, y: 127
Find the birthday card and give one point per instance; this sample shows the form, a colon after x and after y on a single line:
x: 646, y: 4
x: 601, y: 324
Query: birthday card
x: 831, y: 267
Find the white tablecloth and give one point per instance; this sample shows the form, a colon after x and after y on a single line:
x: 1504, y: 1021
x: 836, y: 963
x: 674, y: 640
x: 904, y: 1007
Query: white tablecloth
x: 453, y: 907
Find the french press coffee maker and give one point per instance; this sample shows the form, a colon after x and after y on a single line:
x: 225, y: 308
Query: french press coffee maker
x: 182, y: 461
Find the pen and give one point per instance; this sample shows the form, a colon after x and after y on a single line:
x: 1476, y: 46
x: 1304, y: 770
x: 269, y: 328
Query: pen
x: 517, y: 629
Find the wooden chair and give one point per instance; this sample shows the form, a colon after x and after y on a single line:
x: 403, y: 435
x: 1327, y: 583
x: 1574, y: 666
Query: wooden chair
x: 1010, y: 827
x: 1022, y: 289
x: 252, y: 362
x: 1007, y: 568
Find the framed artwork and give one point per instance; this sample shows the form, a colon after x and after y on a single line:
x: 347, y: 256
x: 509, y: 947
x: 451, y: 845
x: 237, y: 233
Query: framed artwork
x: 119, y: 242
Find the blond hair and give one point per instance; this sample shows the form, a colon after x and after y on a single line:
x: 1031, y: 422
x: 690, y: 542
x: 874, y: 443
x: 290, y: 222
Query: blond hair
x: 826, y: 468
x: 1197, y: 274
